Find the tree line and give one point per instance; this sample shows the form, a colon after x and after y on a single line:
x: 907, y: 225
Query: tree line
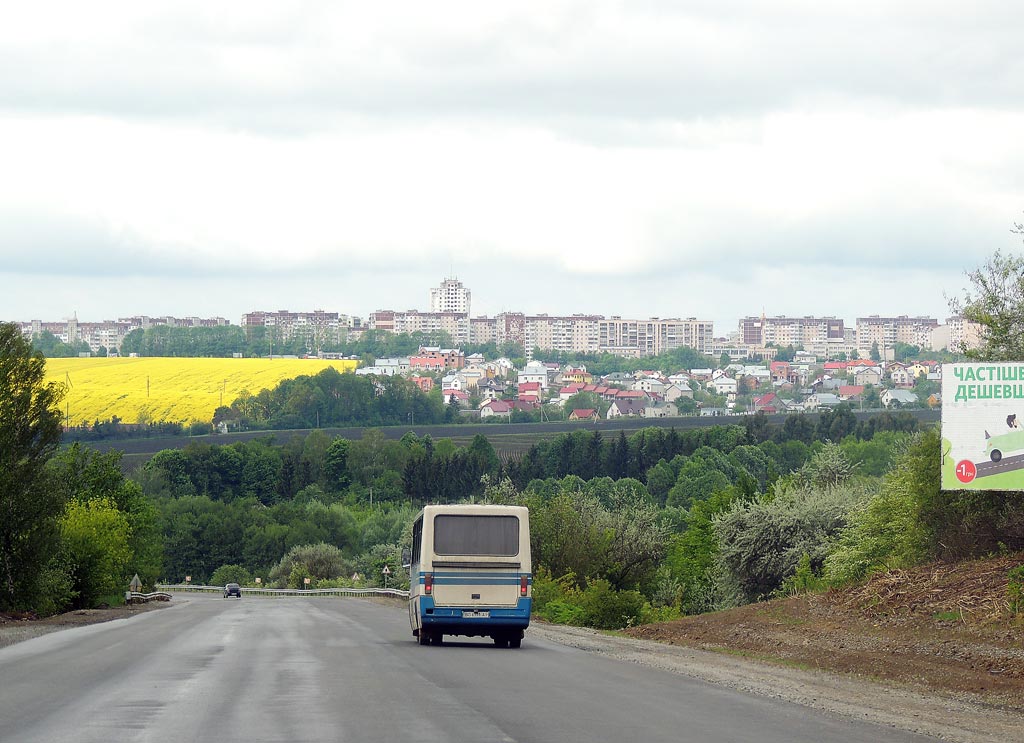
x: 223, y: 341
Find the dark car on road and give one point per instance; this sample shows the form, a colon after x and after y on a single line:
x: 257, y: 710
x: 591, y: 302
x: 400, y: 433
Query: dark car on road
x: 232, y: 589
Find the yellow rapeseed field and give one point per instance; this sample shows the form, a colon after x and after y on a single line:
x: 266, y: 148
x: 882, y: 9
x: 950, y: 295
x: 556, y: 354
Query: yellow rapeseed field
x: 162, y: 389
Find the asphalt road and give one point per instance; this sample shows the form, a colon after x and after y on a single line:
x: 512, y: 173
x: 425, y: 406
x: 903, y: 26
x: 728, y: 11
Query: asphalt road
x: 298, y: 669
x: 1006, y: 464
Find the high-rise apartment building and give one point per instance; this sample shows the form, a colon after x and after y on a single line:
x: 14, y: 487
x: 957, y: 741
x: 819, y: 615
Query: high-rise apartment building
x: 317, y: 327
x: 888, y: 331
x: 790, y: 331
x: 451, y: 297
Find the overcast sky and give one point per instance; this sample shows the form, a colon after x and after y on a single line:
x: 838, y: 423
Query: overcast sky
x: 674, y: 159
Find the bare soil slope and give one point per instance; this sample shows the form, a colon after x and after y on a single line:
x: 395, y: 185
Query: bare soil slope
x: 941, y: 627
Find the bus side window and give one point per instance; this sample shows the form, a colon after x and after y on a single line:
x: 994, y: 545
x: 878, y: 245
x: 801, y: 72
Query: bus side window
x: 417, y: 539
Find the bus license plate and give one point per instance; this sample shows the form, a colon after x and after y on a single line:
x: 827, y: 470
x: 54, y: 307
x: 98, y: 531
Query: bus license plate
x: 476, y: 614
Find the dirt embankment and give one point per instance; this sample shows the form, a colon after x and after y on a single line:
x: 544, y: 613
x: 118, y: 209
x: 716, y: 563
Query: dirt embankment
x: 943, y: 628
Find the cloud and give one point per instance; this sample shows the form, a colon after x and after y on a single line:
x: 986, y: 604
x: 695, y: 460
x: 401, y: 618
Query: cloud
x: 647, y: 158
x: 297, y: 67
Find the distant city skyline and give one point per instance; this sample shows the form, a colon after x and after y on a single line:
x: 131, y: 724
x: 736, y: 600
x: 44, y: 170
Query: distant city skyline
x: 702, y: 159
x: 721, y: 328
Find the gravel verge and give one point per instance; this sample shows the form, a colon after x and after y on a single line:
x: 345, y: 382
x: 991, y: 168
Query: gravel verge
x: 946, y: 717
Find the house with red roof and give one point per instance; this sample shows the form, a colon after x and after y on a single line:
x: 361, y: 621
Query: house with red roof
x: 851, y: 391
x: 767, y: 403
x: 495, y: 407
x: 584, y: 414
x: 424, y: 383
x: 459, y: 396
x: 529, y: 391
x: 569, y: 390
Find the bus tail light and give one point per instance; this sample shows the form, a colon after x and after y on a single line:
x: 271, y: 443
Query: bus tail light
x: 523, y: 582
x: 428, y: 583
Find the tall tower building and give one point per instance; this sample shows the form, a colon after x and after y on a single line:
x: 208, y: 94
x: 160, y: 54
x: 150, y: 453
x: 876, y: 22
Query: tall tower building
x: 451, y: 296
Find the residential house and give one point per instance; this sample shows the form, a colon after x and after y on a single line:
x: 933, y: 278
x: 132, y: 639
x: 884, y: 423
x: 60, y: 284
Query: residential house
x: 865, y: 375
x: 424, y: 383
x: 584, y: 414
x: 767, y: 403
x: 722, y: 385
x: 851, y: 392
x: 660, y: 409
x: 491, y: 389
x: 492, y: 408
x: 650, y: 385
x: 898, y: 398
x: 435, y: 358
x: 473, y: 375
x: 701, y: 375
x: 619, y: 378
x: 780, y: 371
x: 458, y: 395
x: 452, y: 381
x: 900, y: 375
x: 569, y: 390
x: 387, y: 367
x: 919, y: 369
x: 821, y: 400
x: 676, y: 390
x: 577, y: 375
x: 626, y: 407
x: 530, y: 391
x: 534, y: 372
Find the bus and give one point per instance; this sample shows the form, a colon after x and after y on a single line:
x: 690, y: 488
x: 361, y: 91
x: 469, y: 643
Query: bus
x: 470, y: 574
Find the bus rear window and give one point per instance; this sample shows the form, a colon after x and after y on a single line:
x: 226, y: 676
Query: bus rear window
x: 476, y: 535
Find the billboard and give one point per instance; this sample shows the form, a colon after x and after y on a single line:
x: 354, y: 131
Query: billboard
x: 983, y: 426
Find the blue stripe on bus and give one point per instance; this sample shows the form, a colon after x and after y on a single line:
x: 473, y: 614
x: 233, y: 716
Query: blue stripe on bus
x: 461, y: 574
x: 468, y: 581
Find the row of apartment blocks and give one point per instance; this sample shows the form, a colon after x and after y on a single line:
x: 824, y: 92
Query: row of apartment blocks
x: 571, y: 333
x: 109, y: 334
x: 827, y: 337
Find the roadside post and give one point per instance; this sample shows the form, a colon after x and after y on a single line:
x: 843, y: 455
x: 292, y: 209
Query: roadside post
x: 386, y: 571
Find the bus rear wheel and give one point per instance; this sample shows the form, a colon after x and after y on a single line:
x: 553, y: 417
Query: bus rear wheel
x: 423, y: 637
x: 515, y: 642
x: 436, y: 638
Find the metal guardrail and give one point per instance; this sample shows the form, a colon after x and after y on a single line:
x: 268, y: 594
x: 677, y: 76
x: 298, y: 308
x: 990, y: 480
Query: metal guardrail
x: 311, y: 593
x: 135, y: 597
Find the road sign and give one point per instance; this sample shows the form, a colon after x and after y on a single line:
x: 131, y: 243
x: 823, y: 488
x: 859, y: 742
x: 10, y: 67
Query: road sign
x: 387, y: 570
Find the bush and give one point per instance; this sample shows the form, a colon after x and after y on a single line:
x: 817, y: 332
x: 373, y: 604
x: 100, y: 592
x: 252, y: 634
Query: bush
x: 903, y: 524
x: 231, y: 574
x: 762, y: 542
x: 95, y: 539
x: 606, y: 608
x: 1015, y: 589
x: 314, y: 561
x: 803, y: 580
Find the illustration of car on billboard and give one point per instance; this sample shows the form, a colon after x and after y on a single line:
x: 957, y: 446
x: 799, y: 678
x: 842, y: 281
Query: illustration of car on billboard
x: 1003, y: 443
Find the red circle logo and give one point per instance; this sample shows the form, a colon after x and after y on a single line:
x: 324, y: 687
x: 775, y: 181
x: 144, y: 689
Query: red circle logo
x: 966, y: 470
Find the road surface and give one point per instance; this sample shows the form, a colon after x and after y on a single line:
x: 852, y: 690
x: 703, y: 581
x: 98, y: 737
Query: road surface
x: 306, y: 669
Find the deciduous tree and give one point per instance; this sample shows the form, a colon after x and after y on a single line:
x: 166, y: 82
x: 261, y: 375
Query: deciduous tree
x: 30, y: 432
